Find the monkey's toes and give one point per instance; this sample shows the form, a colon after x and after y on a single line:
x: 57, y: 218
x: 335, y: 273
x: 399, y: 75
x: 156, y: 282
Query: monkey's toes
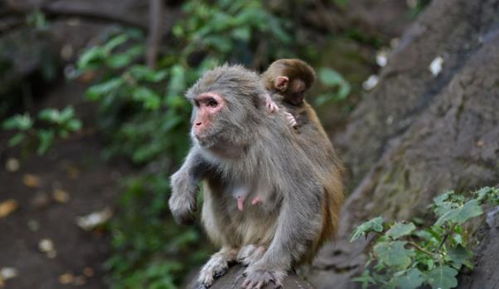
x: 260, y: 278
x: 216, y: 267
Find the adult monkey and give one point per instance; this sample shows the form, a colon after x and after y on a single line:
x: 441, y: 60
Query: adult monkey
x: 239, y: 146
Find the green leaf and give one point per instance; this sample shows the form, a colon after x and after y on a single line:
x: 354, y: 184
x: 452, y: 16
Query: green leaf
x: 242, y: 33
x: 17, y: 139
x: 460, y: 256
x: 96, y: 92
x: 74, y: 125
x: 461, y: 214
x: 177, y: 84
x: 393, y: 254
x: 375, y: 224
x: 115, y: 42
x: 365, y: 279
x: 147, y: 96
x: 442, y: 277
x: 91, y: 56
x: 50, y: 115
x: 141, y: 72
x: 20, y: 121
x: 400, y: 229
x: 118, y: 60
x: 333, y: 79
x: 411, y: 279
x: 46, y: 138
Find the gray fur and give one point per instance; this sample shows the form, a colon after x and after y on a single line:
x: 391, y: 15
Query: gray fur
x: 247, y: 146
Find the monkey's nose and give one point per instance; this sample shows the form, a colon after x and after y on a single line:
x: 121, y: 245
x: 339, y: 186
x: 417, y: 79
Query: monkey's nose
x: 198, y: 123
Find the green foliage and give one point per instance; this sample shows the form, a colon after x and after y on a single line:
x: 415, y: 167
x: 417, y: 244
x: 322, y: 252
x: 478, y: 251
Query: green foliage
x: 407, y: 257
x: 149, y: 252
x: 40, y: 132
x: 337, y: 87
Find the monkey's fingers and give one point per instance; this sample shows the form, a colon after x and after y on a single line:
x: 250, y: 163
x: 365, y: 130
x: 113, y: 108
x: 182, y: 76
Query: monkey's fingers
x: 270, y: 104
x: 291, y: 119
x: 258, y: 279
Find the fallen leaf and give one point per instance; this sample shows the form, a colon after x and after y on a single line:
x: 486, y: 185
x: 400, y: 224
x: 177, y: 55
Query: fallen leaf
x: 88, y: 271
x: 371, y: 82
x: 60, y: 196
x: 7, y: 207
x: 7, y: 273
x: 31, y: 181
x: 94, y: 219
x: 47, y: 246
x: 436, y: 65
x: 12, y: 165
x: 66, y: 278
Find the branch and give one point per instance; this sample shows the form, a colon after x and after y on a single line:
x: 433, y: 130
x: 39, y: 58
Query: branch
x: 156, y: 14
x: 94, y: 14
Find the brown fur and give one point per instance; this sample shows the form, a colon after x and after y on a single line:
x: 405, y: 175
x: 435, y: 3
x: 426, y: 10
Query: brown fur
x: 313, y: 138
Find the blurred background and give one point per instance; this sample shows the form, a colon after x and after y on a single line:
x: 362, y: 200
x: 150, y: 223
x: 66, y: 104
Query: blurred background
x: 93, y: 120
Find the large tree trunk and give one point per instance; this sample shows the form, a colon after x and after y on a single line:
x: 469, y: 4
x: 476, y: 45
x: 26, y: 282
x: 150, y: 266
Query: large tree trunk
x: 417, y: 135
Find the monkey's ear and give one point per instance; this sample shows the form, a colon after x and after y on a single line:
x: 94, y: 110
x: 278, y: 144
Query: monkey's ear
x: 281, y: 83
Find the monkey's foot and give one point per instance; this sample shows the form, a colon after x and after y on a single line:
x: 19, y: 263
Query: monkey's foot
x: 249, y: 254
x: 215, y: 267
x: 257, y: 279
x: 291, y: 119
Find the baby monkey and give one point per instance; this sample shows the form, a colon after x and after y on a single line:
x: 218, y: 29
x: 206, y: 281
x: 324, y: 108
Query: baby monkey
x: 288, y: 80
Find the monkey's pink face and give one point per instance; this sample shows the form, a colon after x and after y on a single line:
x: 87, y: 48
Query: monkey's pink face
x: 208, y: 105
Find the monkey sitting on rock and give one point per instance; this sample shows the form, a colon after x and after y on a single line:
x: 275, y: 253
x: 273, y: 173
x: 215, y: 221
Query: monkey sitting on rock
x: 240, y: 147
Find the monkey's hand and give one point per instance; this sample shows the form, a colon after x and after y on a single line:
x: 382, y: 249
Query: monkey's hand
x: 291, y: 119
x: 182, y: 202
x: 270, y: 104
x: 259, y: 278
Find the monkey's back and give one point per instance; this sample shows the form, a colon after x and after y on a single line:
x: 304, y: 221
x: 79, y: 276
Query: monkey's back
x: 314, y: 139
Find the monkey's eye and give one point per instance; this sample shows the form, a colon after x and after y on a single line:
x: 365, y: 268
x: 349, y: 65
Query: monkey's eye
x: 211, y: 102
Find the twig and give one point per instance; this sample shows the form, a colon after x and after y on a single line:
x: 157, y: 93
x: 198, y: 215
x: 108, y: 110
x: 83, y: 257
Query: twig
x: 94, y: 14
x: 421, y: 249
x: 156, y: 14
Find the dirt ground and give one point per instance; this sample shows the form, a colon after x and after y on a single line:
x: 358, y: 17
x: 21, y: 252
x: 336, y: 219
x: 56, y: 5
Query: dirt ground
x: 51, y: 192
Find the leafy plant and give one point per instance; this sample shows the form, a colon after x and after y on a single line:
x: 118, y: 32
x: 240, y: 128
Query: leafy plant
x: 41, y: 131
x: 405, y: 256
x: 149, y: 252
x: 338, y: 88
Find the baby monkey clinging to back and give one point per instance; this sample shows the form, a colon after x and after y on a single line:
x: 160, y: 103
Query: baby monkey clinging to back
x: 288, y: 80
